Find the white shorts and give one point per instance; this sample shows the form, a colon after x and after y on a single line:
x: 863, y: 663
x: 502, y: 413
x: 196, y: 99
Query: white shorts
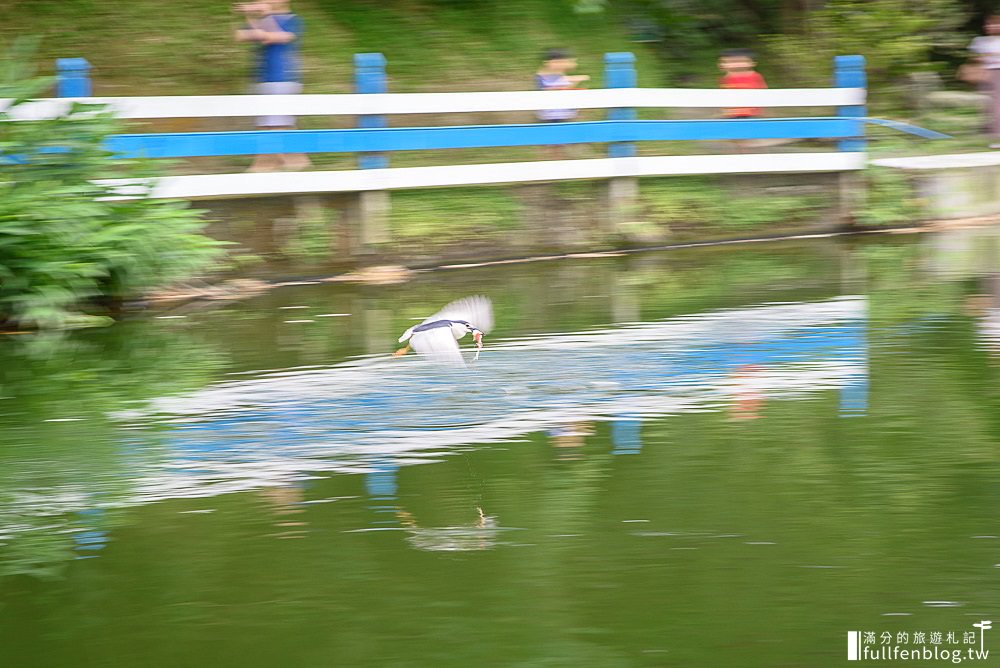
x: 277, y: 88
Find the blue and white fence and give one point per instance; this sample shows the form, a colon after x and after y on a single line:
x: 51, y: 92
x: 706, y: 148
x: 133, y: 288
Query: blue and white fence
x: 374, y: 142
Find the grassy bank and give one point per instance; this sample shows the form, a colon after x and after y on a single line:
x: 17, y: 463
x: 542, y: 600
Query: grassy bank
x: 185, y: 47
x: 494, y: 222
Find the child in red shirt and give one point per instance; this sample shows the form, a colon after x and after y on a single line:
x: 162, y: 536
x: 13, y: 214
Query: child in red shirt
x: 738, y: 66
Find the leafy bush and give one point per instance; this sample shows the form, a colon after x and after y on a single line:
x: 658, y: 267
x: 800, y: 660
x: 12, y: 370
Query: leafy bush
x: 64, y: 246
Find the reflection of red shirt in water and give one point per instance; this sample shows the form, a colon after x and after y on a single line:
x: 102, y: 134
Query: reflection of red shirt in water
x: 748, y: 398
x: 749, y: 79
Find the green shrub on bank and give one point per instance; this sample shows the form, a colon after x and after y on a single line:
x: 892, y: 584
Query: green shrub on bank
x: 890, y: 199
x: 65, y: 249
x: 704, y: 202
x: 446, y: 215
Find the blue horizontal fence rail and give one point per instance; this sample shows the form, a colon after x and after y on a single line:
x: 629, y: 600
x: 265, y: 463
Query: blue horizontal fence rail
x: 202, y: 144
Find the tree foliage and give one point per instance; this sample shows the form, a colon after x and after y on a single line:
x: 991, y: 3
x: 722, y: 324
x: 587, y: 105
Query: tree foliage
x: 895, y: 36
x: 64, y: 245
x: 688, y: 30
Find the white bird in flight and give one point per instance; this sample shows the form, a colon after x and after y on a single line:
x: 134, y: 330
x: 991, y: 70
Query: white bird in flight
x: 437, y: 337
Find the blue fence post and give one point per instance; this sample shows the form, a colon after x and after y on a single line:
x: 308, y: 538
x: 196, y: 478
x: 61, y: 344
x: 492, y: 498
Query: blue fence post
x: 73, y: 77
x: 849, y: 72
x: 619, y: 72
x: 369, y: 77
x: 371, y: 207
x: 621, y: 193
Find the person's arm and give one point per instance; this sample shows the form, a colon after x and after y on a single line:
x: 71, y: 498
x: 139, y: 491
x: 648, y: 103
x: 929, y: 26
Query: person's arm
x: 252, y: 29
x: 977, y: 51
x: 275, y: 34
x: 249, y: 34
x: 277, y: 37
x: 264, y: 30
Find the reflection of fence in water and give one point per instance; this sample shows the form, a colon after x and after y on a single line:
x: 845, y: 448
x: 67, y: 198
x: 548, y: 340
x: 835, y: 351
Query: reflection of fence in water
x: 374, y: 415
x: 245, y: 434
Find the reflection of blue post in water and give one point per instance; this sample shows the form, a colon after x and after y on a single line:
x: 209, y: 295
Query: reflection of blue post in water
x: 854, y: 396
x: 626, y: 435
x: 380, y: 484
x: 91, y: 538
x: 854, y: 391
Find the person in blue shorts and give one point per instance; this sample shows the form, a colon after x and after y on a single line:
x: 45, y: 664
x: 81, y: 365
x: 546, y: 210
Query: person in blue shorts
x: 277, y: 32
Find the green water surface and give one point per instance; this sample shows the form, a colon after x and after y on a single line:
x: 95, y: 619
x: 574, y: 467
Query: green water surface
x: 203, y: 486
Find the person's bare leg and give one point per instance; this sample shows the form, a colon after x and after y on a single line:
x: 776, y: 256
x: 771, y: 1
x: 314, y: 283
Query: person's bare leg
x: 277, y: 161
x: 295, y: 161
x: 554, y: 152
x: 266, y: 162
x: 286, y: 161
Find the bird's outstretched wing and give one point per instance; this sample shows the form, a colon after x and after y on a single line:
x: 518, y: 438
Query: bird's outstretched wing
x: 438, y: 345
x: 477, y: 310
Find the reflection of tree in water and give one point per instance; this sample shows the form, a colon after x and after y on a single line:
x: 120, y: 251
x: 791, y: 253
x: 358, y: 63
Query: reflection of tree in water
x: 984, y: 306
x: 59, y: 454
x: 564, y: 521
x: 927, y: 397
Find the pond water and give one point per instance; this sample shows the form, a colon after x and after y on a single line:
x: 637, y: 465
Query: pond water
x: 720, y: 456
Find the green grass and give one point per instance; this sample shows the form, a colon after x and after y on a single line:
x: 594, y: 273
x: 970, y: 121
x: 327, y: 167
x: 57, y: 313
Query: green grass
x: 691, y: 202
x: 965, y: 125
x: 185, y: 47
x: 441, y: 216
x: 145, y: 47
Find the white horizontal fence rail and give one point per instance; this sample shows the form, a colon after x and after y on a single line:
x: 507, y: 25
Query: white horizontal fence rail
x: 233, y: 106
x: 248, y: 185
